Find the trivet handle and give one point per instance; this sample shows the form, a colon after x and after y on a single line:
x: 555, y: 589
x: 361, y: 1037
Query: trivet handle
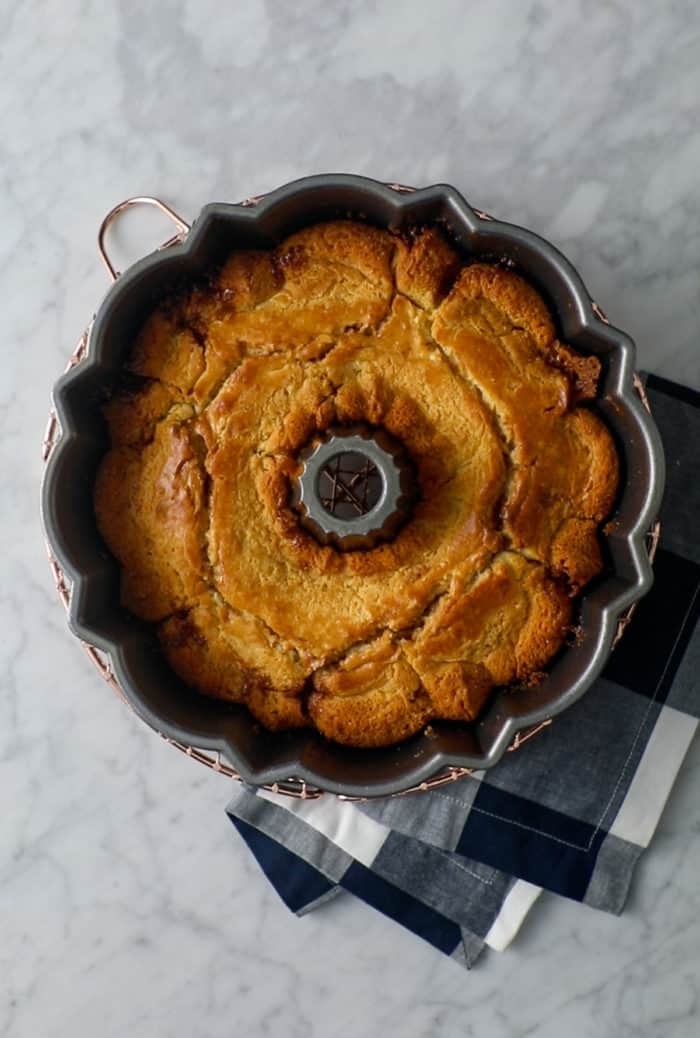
x: 182, y: 226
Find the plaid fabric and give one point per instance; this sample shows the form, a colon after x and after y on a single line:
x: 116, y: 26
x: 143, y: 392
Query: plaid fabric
x: 462, y: 865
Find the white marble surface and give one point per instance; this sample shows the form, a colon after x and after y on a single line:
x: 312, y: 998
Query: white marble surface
x: 127, y: 903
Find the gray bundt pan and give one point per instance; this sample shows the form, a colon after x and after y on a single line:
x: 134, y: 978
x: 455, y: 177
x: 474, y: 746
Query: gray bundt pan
x: 152, y: 689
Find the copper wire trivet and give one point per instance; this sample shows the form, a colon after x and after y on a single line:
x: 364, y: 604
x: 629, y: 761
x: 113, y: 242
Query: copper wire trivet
x: 291, y: 787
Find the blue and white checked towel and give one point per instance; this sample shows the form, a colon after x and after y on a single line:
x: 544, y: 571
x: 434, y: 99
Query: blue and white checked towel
x: 461, y: 866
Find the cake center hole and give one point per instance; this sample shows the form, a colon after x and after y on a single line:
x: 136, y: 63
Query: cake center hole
x: 349, y: 485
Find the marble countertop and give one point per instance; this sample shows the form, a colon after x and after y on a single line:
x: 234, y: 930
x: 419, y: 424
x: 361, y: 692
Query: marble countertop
x: 127, y: 902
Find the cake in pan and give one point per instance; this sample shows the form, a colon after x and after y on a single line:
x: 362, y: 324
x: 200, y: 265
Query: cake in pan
x: 228, y: 387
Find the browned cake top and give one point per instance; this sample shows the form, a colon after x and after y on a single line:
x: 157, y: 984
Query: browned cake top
x: 341, y: 324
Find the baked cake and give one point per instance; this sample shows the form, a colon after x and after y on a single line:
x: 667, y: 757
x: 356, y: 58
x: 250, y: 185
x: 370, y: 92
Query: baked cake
x: 226, y: 387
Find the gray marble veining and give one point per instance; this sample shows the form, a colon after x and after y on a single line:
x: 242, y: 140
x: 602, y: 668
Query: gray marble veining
x: 126, y: 903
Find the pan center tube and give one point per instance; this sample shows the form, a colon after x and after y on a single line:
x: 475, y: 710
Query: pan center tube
x: 355, y: 487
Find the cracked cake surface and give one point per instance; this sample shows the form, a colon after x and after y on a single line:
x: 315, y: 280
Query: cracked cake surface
x: 341, y: 324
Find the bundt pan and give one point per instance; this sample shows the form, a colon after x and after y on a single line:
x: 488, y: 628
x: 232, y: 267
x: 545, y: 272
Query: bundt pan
x: 151, y: 687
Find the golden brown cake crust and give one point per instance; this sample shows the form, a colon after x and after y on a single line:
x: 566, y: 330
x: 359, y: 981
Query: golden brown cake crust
x: 344, y: 323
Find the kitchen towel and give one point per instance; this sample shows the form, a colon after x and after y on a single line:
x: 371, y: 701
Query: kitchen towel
x: 461, y: 866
